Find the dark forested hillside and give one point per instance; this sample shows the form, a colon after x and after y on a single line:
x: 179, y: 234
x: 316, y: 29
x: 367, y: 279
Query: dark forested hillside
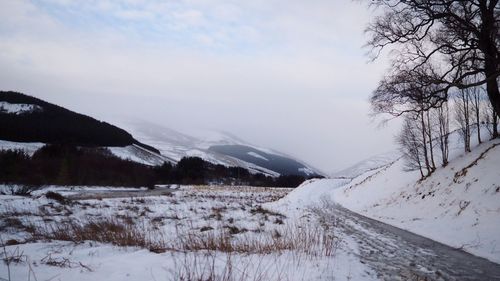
x: 53, y: 124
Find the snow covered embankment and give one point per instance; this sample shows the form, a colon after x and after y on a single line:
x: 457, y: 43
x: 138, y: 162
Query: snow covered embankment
x: 458, y: 205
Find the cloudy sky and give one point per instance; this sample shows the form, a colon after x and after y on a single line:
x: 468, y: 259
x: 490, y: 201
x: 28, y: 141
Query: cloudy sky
x: 291, y: 75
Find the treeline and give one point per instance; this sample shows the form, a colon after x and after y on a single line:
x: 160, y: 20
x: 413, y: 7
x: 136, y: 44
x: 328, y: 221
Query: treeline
x: 69, y: 165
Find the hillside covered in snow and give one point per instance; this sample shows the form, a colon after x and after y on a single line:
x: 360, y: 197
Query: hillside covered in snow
x: 457, y: 205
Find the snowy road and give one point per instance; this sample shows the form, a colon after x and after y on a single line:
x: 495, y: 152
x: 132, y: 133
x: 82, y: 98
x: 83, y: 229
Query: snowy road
x: 396, y: 254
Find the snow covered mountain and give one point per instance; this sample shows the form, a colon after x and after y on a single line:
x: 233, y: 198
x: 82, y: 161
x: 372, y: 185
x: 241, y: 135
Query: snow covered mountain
x: 218, y: 148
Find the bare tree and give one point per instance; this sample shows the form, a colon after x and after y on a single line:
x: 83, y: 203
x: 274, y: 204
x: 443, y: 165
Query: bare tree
x: 491, y: 120
x: 409, y: 97
x: 430, y: 135
x: 422, y: 126
x: 438, y: 43
x: 406, y: 93
x: 410, y: 144
x: 442, y: 115
x: 476, y: 97
x: 463, y: 116
x: 415, y: 142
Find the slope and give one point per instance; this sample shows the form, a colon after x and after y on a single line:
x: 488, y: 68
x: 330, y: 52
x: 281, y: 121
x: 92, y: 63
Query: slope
x: 458, y: 205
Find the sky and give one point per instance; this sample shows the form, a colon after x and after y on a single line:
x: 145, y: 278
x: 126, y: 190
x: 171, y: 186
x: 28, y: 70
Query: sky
x: 291, y: 75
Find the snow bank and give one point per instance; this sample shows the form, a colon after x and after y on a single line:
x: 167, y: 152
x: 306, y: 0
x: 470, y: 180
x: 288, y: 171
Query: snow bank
x: 308, y: 194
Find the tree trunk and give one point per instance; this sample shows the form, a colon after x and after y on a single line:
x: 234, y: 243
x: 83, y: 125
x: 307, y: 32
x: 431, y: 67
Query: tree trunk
x: 494, y: 96
x: 444, y: 130
x: 424, y: 143
x: 487, y: 45
x: 431, y: 146
x: 477, y: 110
x: 467, y: 123
x: 478, y: 124
x: 495, y: 125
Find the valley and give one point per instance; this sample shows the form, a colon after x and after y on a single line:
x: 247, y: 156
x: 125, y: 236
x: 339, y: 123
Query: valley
x: 177, y: 208
x: 222, y: 140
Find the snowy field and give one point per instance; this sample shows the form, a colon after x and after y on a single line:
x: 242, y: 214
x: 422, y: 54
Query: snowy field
x: 187, y: 233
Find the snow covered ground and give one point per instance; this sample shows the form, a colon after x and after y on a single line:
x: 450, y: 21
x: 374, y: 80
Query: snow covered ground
x: 458, y: 205
x: 191, y: 233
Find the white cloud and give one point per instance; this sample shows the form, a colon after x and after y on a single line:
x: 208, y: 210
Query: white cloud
x: 135, y: 15
x: 190, y: 17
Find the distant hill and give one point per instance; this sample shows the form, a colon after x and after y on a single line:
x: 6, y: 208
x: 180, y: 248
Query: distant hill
x: 280, y: 164
x: 27, y: 119
x: 218, y: 148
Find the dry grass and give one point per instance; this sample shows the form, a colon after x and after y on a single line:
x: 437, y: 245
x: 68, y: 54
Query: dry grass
x: 118, y: 232
x: 310, y: 240
x: 203, y: 268
x: 217, y: 266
